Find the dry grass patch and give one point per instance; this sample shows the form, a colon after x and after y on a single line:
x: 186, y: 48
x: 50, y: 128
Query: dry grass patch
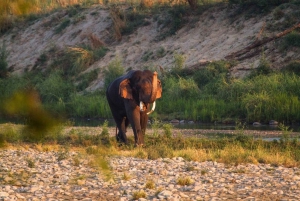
x: 150, y: 184
x: 184, y: 181
x: 139, y: 194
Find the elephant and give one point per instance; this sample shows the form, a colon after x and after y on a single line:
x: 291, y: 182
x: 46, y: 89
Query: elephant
x: 129, y: 98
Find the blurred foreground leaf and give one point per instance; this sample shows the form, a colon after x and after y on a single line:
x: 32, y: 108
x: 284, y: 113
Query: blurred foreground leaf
x: 27, y: 104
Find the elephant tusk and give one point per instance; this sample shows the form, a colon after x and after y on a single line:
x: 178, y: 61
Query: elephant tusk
x: 152, y: 109
x: 141, y: 106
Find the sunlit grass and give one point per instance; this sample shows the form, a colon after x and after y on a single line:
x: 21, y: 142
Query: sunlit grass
x: 237, y: 150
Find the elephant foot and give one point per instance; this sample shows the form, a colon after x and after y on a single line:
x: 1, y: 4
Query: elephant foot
x: 139, y: 145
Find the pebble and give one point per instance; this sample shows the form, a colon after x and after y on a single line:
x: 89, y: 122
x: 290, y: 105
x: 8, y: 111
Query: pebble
x: 53, y: 179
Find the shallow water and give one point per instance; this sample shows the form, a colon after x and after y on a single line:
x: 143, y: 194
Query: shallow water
x: 263, y: 127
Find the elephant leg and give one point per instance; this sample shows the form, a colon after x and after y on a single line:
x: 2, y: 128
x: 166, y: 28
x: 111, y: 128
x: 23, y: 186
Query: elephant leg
x: 143, y: 122
x: 134, y: 119
x: 122, y: 130
x: 122, y: 124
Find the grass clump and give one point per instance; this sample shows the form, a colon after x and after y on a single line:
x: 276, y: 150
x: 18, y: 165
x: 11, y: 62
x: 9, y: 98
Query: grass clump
x: 139, y: 194
x: 126, y: 177
x: 184, y: 181
x: 150, y: 184
x: 30, y: 163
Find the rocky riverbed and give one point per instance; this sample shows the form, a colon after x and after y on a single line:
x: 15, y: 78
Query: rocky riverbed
x: 30, y: 174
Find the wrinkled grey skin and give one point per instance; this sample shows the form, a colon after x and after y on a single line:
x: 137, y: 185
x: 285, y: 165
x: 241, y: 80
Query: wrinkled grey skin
x: 124, y: 95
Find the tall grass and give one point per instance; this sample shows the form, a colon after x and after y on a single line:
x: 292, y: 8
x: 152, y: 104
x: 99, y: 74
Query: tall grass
x: 210, y: 95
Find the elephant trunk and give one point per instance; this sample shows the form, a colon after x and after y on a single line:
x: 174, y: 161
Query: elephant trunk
x: 154, y: 88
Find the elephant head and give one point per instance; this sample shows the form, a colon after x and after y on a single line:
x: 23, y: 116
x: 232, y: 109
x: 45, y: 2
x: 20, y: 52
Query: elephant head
x: 142, y: 86
x: 129, y: 98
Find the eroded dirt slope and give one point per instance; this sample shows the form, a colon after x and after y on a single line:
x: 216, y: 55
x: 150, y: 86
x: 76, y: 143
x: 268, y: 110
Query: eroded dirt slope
x: 213, y: 35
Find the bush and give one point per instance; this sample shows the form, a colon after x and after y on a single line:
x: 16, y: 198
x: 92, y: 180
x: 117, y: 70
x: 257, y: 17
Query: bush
x: 88, y: 105
x: 113, y: 71
x: 264, y: 68
x: 293, y: 66
x: 55, y: 88
x: 292, y: 39
x: 213, y: 72
x: 3, y: 62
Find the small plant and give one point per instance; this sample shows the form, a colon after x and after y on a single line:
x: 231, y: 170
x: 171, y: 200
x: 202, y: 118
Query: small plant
x: 190, y: 168
x: 64, y: 24
x: 155, y: 125
x: 76, y: 161
x: 167, y: 130
x: 101, y: 163
x: 30, y: 163
x: 104, y: 135
x: 139, y: 194
x: 3, y: 62
x: 203, y: 172
x: 63, y: 154
x: 150, y: 184
x: 239, y: 171
x: 126, y: 177
x: 179, y: 60
x: 141, y: 154
x: 91, y: 150
x: 147, y: 56
x: 161, y: 52
x: 184, y: 181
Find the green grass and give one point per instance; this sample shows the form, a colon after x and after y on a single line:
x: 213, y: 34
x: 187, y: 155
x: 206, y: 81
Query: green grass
x: 237, y: 149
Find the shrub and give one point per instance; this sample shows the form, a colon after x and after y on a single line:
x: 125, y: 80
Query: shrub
x: 55, y: 88
x: 112, y: 71
x: 172, y: 21
x: 293, y: 66
x: 3, y: 62
x: 292, y: 39
x: 180, y: 87
x: 88, y: 105
x: 264, y: 68
x: 212, y: 73
x: 167, y: 130
x: 85, y: 79
x: 104, y: 135
x: 64, y: 24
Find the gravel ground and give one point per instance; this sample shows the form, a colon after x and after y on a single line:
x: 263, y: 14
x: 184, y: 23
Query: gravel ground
x: 30, y: 174
x: 33, y: 175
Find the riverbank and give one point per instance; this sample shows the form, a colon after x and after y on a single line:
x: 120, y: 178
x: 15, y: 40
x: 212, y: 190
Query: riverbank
x: 168, y: 168
x: 51, y: 177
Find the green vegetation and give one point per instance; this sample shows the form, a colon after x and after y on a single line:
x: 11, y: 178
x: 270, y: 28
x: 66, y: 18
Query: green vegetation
x: 234, y: 149
x: 209, y: 95
x: 206, y: 94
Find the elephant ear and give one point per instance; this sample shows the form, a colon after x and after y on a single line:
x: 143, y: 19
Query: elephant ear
x: 125, y: 90
x: 159, y: 89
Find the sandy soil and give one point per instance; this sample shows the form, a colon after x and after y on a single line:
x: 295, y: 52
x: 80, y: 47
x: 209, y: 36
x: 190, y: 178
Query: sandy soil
x: 208, y: 37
